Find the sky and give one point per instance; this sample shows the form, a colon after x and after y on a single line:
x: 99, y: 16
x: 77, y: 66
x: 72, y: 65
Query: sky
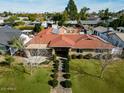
x: 38, y: 6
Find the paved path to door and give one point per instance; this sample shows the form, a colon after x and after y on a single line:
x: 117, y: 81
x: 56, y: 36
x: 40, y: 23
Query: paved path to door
x: 59, y: 88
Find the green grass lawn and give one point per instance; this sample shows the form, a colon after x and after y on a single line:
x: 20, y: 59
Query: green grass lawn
x: 112, y: 82
x: 35, y: 83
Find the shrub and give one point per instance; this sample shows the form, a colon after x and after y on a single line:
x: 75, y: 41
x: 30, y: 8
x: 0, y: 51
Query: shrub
x: 66, y: 67
x: 107, y: 56
x: 88, y: 56
x: 98, y: 56
x: 73, y: 56
x: 56, y: 61
x: 80, y: 56
x: 53, y: 83
x: 55, y: 70
x: 66, y: 76
x: 66, y: 84
x: 55, y: 65
x: 55, y: 75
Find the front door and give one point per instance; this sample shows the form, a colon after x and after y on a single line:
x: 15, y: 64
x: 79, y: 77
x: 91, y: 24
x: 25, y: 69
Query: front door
x: 62, y: 52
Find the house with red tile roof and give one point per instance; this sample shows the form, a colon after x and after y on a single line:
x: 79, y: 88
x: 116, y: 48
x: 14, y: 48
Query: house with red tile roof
x: 64, y: 44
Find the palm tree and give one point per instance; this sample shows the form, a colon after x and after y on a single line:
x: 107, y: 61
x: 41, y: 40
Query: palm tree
x: 17, y: 43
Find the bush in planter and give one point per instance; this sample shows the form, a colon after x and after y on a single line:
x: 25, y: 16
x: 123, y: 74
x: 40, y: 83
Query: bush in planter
x: 55, y: 70
x: 66, y: 84
x: 80, y: 56
x: 55, y: 65
x: 107, y: 56
x: 53, y: 83
x: 73, y: 56
x: 98, y: 56
x: 66, y: 76
x: 88, y: 56
x: 55, y: 75
x: 56, y: 61
x: 66, y: 67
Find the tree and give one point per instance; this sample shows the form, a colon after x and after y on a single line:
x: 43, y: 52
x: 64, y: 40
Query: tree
x: 105, y: 61
x: 6, y: 14
x: 17, y: 43
x: 11, y: 20
x: 104, y: 14
x: 118, y: 22
x: 18, y: 23
x: 32, y: 17
x: 71, y: 9
x: 83, y: 13
x: 37, y: 28
x: 64, y: 17
x: 56, y: 17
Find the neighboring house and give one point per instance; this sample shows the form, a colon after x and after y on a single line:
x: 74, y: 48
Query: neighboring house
x: 1, y: 20
x: 71, y: 30
x: 6, y: 35
x: 64, y: 44
x: 111, y: 36
x: 103, y: 32
x: 120, y: 39
x: 71, y: 22
x: 90, y: 22
x: 120, y: 29
x: 27, y: 32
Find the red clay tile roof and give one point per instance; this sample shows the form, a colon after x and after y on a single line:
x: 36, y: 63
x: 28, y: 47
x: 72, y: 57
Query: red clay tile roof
x: 45, y: 32
x: 73, y: 41
x: 92, y: 43
x: 61, y: 41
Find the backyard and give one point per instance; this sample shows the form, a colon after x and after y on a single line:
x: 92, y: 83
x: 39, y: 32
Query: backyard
x: 85, y: 77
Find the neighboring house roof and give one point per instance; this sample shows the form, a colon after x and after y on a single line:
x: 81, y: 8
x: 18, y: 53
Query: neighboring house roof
x: 89, y: 22
x: 101, y: 29
x: 120, y: 35
x: 71, y: 22
x: 7, y: 34
x: 121, y: 28
x: 73, y: 41
x: 69, y: 30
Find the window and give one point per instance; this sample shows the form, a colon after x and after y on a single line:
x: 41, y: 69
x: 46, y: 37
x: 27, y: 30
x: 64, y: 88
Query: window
x: 79, y: 51
x: 98, y: 50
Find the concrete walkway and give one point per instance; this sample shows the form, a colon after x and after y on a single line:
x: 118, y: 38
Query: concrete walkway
x: 59, y: 88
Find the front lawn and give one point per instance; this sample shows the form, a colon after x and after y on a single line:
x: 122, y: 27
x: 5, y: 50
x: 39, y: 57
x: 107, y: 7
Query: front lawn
x: 18, y: 82
x: 84, y: 77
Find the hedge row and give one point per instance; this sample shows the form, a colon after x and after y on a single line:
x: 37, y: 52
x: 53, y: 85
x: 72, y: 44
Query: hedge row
x: 87, y: 56
x: 54, y: 81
